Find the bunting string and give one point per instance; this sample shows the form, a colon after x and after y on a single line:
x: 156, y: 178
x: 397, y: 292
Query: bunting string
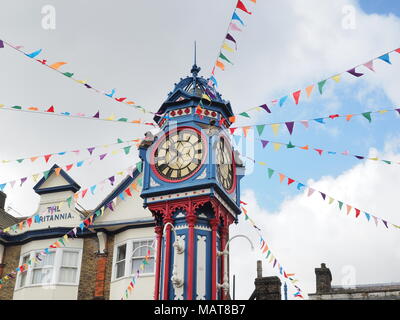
x: 46, y: 157
x: 228, y: 41
x: 56, y: 67
x: 325, y: 197
x: 79, y: 115
x: 266, y: 249
x: 35, y: 177
x: 70, y: 235
x: 277, y: 146
x: 35, y: 218
x: 136, y: 276
x: 320, y: 85
x: 290, y: 125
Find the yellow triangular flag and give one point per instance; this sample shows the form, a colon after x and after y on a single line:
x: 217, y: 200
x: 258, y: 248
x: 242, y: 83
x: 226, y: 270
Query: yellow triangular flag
x: 262, y: 163
x: 331, y: 200
x: 227, y: 48
x: 382, y: 111
x: 35, y: 177
x: 336, y: 78
x: 277, y: 146
x: 204, y: 96
x: 114, y: 152
x: 112, y: 117
x: 275, y: 128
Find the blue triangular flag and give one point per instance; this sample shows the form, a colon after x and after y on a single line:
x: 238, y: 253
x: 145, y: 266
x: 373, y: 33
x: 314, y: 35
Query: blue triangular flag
x: 237, y: 139
x: 385, y: 58
x: 282, y: 101
x: 236, y: 17
x: 320, y: 120
x: 92, y: 188
x: 2, y: 186
x: 80, y: 163
x: 299, y: 186
x: 34, y: 54
x: 367, y: 215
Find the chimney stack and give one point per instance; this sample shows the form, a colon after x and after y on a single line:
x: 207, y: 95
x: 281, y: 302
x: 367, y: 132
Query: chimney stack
x: 3, y: 197
x: 323, y: 279
x: 259, y: 269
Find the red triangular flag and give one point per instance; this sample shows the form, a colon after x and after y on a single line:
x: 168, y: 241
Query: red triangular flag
x: 296, y: 96
x: 47, y: 157
x: 68, y: 167
x: 290, y: 181
x: 319, y: 151
x: 357, y: 212
x: 51, y: 109
x: 128, y: 192
x: 241, y: 6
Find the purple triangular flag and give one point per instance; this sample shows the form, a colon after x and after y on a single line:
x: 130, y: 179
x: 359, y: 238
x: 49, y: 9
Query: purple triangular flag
x: 1, y: 44
x: 359, y: 157
x: 290, y: 126
x: 355, y: 73
x: 102, y: 156
x: 229, y: 37
x: 97, y: 115
x: 23, y: 180
x: 112, y: 179
x: 323, y: 195
x: 385, y: 223
x: 398, y: 110
x: 91, y: 150
x: 264, y: 143
x: 265, y: 107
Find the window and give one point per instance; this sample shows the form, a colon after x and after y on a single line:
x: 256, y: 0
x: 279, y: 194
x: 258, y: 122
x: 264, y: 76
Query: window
x: 69, y: 267
x: 140, y: 249
x: 120, y: 262
x: 59, y: 266
x: 129, y: 256
x: 43, y: 270
x: 23, y: 274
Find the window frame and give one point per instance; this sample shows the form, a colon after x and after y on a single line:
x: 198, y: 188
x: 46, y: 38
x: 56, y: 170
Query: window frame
x: 56, y: 268
x: 129, y: 257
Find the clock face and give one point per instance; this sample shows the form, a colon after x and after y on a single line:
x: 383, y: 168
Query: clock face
x: 225, y: 167
x: 179, y: 154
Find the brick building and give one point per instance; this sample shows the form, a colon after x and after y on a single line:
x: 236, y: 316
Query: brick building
x: 325, y: 290
x: 98, y: 264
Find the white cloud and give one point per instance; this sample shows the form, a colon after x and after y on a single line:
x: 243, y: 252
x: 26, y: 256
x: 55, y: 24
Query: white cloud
x: 305, y: 231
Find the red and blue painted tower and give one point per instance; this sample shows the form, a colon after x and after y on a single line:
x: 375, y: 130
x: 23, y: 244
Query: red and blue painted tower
x: 191, y: 184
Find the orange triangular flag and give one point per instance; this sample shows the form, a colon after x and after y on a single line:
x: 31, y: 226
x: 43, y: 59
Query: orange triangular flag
x: 57, y: 65
x: 348, y: 117
x: 304, y: 148
x: 33, y: 159
x: 220, y: 65
x: 281, y: 177
x: 309, y: 89
x: 245, y: 131
x: 57, y: 171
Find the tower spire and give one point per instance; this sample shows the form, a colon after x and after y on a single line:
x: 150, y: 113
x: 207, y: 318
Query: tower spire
x: 195, y: 69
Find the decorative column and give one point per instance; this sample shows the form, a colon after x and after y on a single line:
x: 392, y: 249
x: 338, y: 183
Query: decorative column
x: 214, y: 228
x: 167, y: 256
x: 158, y: 231
x: 191, y: 220
x: 224, y: 240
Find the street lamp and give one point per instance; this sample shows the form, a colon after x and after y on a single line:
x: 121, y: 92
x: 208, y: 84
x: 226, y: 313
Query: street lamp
x: 225, y: 284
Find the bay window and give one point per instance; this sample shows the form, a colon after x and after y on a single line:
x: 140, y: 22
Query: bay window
x: 59, y: 266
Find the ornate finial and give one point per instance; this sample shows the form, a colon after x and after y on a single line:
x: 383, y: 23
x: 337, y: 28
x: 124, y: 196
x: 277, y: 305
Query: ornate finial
x: 195, y: 69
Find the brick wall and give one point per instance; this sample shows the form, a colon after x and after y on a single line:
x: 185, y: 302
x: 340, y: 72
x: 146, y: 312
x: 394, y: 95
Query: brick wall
x: 11, y: 259
x: 87, y: 279
x: 96, y: 270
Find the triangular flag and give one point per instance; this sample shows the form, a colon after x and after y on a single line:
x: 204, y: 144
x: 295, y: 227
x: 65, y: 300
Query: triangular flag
x: 336, y: 78
x: 323, y: 195
x: 245, y: 129
x: 304, y: 123
x: 277, y: 146
x: 127, y: 149
x: 236, y: 17
x: 265, y: 107
x: 234, y: 27
x: 227, y: 48
x: 46, y: 174
x: 355, y: 73
x: 367, y: 115
x: 220, y: 65
x: 310, y: 191
x: 321, y: 86
x: 275, y: 128
x: 357, y: 212
x: 309, y: 89
x: 290, y: 126
x: 260, y: 129
x: 244, y: 114
x: 370, y: 65
x: 296, y: 96
x: 270, y: 172
x: 47, y: 157
x: 319, y: 151
x: 290, y: 181
x: 300, y: 185
x: 34, y: 54
x: 348, y: 208
x: 282, y: 101
x: 281, y: 177
x: 241, y: 6
x: 57, y: 65
x: 224, y: 58
x: 92, y: 189
x: 385, y: 58
x: 51, y: 109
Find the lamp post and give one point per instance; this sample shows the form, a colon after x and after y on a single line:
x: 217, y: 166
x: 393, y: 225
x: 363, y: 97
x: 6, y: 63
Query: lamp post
x: 225, y: 253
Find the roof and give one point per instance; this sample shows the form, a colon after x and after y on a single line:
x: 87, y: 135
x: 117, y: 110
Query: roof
x: 71, y: 186
x: 7, y: 220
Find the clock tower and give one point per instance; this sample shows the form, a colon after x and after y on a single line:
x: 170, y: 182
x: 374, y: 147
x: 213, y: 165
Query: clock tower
x: 191, y: 184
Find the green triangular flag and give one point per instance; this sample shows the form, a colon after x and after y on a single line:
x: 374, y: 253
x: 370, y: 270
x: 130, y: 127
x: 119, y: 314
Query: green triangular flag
x: 140, y: 182
x: 62, y: 241
x: 119, y: 140
x: 127, y: 149
x: 340, y: 204
x: 225, y: 58
x: 69, y: 200
x: 388, y: 162
x: 20, y: 160
x: 68, y: 74
x: 123, y: 119
x: 270, y: 172
x: 46, y: 174
x: 321, y: 85
x: 290, y: 145
x: 246, y: 217
x: 244, y: 114
x: 17, y: 107
x: 97, y: 213
x: 139, y: 166
x: 260, y: 129
x: 367, y: 115
x: 145, y: 262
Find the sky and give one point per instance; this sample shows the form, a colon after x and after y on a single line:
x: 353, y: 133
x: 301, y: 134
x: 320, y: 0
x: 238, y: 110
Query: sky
x: 142, y: 48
